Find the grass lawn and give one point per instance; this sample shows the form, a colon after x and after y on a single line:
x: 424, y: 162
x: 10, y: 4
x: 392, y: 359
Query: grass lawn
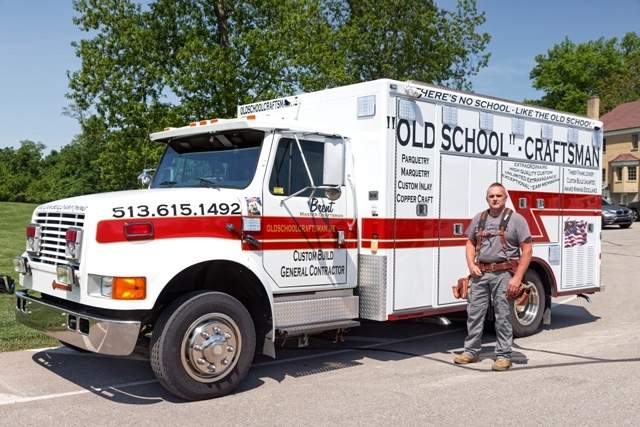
x: 14, y: 218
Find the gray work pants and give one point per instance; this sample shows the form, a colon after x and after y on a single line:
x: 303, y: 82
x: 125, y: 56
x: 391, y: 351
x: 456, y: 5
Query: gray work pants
x: 491, y: 285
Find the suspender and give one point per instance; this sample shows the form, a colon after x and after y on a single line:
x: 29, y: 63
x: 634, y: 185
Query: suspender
x: 506, y: 216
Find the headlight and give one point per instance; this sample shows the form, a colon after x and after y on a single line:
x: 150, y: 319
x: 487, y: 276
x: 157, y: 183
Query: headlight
x: 20, y: 265
x: 66, y: 274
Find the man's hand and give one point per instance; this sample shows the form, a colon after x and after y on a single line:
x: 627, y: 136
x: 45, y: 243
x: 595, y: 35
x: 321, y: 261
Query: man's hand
x: 513, y: 289
x: 475, y: 271
x: 470, y: 254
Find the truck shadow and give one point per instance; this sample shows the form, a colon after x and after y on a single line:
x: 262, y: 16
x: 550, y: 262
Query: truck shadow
x: 130, y: 380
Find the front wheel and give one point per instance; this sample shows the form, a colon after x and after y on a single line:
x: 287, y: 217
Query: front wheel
x: 203, y: 345
x: 526, y: 313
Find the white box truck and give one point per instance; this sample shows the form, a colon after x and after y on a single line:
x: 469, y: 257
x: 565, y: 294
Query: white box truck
x: 307, y: 214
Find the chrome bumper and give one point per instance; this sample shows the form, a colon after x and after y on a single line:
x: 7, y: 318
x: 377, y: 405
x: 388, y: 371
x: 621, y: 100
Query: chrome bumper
x: 113, y: 337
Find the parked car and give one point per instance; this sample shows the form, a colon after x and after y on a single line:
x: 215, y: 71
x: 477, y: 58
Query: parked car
x: 616, y: 215
x: 635, y: 208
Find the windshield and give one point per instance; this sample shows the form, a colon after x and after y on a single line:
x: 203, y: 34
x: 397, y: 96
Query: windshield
x: 222, y: 160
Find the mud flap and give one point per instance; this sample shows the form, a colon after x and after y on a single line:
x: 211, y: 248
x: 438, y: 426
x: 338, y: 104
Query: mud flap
x: 546, y: 314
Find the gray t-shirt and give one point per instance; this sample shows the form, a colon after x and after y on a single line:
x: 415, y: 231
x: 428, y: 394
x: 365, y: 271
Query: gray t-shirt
x: 491, y: 250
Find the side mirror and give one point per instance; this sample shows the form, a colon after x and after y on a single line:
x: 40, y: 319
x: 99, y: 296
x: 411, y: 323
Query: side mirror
x: 333, y: 167
x: 145, y: 178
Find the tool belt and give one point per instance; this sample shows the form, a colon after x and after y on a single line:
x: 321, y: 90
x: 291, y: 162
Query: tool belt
x: 499, y: 266
x: 461, y: 290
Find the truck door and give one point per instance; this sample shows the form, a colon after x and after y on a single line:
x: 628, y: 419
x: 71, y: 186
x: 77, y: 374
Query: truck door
x: 463, y: 190
x: 415, y: 227
x: 581, y: 225
x: 303, y: 230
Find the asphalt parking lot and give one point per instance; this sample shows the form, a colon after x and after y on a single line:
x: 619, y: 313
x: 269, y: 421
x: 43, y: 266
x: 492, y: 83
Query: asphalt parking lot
x: 583, y: 369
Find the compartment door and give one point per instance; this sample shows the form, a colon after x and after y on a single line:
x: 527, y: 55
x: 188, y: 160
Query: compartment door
x: 463, y: 190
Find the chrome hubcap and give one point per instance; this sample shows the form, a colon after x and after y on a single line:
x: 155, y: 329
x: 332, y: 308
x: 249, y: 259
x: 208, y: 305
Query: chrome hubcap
x: 211, y: 347
x: 526, y: 310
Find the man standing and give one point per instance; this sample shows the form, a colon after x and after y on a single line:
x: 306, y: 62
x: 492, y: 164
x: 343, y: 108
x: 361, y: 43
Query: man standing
x: 498, y: 253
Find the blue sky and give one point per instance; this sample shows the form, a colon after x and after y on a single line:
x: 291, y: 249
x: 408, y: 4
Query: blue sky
x: 36, y: 53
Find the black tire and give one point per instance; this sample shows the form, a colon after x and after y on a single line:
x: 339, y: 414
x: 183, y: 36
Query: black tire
x: 202, y: 345
x: 635, y: 215
x: 526, y: 318
x: 625, y: 225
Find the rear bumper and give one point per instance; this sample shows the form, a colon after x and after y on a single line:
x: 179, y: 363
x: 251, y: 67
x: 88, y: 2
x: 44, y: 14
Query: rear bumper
x: 98, y: 335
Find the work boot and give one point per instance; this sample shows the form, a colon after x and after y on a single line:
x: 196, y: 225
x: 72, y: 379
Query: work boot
x: 464, y: 358
x: 501, y: 364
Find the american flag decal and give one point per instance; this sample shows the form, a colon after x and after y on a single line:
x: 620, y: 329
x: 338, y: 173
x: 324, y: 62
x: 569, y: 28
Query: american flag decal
x: 575, y: 233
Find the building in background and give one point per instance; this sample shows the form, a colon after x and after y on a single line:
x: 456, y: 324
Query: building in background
x: 621, y: 128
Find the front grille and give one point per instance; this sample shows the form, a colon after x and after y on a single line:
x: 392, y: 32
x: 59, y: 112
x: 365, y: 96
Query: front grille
x: 54, y: 227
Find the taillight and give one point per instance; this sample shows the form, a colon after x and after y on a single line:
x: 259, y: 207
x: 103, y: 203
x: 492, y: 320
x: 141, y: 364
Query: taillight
x: 34, y: 233
x: 73, y: 243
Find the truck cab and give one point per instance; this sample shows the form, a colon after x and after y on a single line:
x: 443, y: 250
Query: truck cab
x: 217, y: 218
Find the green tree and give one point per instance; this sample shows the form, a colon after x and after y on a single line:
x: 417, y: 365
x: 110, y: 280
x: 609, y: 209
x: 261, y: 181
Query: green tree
x: 71, y: 172
x: 410, y: 40
x: 623, y: 86
x: 18, y: 169
x: 6, y: 173
x: 118, y: 94
x: 570, y: 73
x: 176, y: 61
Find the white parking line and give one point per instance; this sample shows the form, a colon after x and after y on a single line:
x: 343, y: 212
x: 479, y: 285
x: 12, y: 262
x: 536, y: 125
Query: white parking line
x: 8, y: 399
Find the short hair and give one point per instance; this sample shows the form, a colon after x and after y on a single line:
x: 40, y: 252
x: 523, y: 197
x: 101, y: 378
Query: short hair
x: 496, y: 184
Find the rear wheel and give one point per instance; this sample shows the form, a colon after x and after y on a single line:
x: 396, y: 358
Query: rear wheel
x: 526, y: 313
x: 203, y: 345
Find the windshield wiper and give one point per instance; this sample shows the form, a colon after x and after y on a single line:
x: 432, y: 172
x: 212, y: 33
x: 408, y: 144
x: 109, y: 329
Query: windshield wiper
x: 169, y: 183
x: 208, y: 182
